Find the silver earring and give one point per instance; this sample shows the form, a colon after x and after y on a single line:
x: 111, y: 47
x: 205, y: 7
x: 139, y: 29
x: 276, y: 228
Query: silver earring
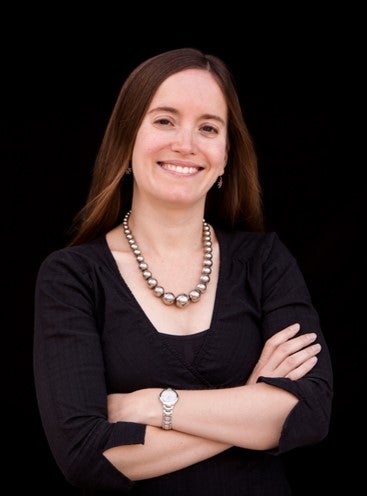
x: 220, y: 182
x: 128, y: 170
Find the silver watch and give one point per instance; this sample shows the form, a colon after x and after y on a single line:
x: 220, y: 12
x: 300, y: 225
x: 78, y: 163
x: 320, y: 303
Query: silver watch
x: 169, y: 398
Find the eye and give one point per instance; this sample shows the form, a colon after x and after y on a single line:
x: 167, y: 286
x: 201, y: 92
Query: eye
x: 207, y: 128
x: 163, y: 122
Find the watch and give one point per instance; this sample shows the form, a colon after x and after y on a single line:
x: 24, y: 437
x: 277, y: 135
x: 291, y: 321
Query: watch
x: 168, y: 398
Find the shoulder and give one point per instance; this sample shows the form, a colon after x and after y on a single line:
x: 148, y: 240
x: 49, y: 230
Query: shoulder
x: 248, y: 245
x: 77, y: 259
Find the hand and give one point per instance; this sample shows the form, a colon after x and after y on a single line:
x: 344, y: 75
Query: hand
x: 284, y: 355
x: 141, y: 406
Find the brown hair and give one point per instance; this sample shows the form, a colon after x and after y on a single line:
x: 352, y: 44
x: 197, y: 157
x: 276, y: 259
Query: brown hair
x: 237, y: 203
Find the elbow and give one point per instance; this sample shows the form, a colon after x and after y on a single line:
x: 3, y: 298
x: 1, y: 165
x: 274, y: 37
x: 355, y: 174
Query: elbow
x: 93, y: 471
x: 80, y: 479
x: 87, y: 477
x: 320, y: 430
x: 305, y: 426
x: 79, y: 474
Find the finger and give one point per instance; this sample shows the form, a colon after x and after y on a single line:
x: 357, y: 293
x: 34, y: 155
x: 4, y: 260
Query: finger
x: 278, y: 339
x: 303, y: 369
x: 294, y: 345
x: 274, y: 357
x: 292, y: 362
x: 283, y: 335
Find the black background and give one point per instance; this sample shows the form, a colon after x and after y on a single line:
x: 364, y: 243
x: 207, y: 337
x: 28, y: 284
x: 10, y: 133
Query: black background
x: 298, y: 83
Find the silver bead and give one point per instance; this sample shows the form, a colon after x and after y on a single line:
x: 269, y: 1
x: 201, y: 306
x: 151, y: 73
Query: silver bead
x: 158, y: 291
x: 152, y: 283
x: 195, y: 295
x: 168, y: 298
x: 182, y: 300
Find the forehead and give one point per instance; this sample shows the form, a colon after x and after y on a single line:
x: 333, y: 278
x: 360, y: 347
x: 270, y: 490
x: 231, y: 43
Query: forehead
x: 191, y: 87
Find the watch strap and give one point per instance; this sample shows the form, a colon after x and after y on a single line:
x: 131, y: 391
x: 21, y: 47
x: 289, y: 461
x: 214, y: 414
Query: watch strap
x: 167, y: 417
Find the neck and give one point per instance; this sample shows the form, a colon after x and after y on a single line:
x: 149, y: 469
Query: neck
x: 167, y: 297
x: 165, y: 229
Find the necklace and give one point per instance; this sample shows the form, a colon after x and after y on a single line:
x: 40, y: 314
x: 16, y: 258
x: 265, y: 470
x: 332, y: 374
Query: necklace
x: 167, y: 297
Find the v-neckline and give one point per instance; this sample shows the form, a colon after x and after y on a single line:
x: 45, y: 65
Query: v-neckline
x: 218, y: 290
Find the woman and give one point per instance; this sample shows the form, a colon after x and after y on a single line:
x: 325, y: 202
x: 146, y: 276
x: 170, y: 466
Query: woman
x: 173, y: 354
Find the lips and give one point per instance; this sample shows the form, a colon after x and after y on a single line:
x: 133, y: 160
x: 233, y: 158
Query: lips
x: 180, y: 167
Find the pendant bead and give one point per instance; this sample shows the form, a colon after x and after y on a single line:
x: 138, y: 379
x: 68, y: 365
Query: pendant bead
x: 168, y: 298
x: 182, y: 300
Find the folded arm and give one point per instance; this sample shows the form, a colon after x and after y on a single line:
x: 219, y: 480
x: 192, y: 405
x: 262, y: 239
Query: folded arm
x: 206, y: 422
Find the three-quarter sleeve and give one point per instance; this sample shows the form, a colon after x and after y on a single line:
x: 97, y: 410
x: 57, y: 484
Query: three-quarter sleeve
x: 69, y: 374
x: 286, y: 300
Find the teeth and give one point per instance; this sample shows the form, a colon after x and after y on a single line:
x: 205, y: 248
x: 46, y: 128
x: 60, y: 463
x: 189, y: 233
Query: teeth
x: 179, y: 168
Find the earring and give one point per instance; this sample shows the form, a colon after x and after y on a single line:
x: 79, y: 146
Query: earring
x: 220, y: 182
x: 128, y: 170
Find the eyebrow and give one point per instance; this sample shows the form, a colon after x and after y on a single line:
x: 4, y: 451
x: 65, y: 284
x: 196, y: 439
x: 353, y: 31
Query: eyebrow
x: 172, y: 110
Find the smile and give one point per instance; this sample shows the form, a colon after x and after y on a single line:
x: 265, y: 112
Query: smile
x: 180, y: 168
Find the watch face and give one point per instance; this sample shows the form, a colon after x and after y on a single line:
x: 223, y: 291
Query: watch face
x: 169, y: 396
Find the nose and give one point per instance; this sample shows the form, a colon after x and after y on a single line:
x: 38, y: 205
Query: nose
x: 184, y: 141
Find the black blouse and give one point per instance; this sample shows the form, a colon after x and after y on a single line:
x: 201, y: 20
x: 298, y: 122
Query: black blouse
x: 92, y: 338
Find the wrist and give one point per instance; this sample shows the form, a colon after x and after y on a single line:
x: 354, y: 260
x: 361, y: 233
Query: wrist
x: 168, y: 398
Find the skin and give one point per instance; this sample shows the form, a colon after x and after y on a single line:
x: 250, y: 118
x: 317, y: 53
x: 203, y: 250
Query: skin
x: 181, y: 145
x: 180, y: 150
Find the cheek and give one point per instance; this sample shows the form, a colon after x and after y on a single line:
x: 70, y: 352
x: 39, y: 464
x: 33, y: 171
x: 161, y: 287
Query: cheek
x: 147, y: 142
x: 219, y: 155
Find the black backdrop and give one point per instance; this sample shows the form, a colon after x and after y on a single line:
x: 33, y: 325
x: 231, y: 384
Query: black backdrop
x: 297, y: 94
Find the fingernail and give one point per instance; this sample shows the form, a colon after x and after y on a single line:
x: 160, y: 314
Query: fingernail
x: 295, y: 327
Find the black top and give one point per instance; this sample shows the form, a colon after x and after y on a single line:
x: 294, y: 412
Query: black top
x: 92, y: 338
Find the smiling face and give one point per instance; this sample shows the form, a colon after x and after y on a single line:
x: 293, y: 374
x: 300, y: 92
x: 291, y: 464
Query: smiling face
x: 181, y: 145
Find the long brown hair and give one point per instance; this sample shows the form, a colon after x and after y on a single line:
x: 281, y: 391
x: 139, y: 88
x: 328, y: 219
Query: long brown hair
x: 237, y: 203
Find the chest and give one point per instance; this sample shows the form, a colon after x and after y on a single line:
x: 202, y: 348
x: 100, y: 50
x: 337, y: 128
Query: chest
x: 136, y: 355
x: 177, y: 279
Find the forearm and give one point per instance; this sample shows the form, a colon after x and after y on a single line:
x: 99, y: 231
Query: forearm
x: 162, y: 452
x: 251, y: 416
